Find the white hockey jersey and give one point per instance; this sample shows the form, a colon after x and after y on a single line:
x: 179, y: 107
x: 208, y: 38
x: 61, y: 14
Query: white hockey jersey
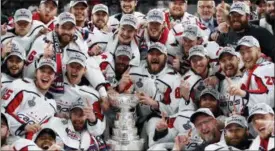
x: 27, y: 40
x: 256, y: 143
x: 113, y: 44
x: 107, y: 67
x: 220, y: 146
x: 26, y: 105
x: 6, y: 80
x: 72, y: 139
x: 186, y: 19
x: 259, y: 83
x: 179, y: 125
x: 162, y: 87
x: 25, y: 145
x: 230, y: 103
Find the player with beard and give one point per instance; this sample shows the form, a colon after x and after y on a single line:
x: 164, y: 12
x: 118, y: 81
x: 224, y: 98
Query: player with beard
x: 127, y: 7
x: 13, y: 64
x: 257, y: 84
x: 236, y: 135
x: 155, y: 31
x: 69, y: 41
x: 126, y: 35
x: 157, y: 86
x: 177, y: 13
x: 239, y: 27
x: 269, y: 21
x: 47, y: 13
x: 262, y: 118
x: 192, y: 83
x: 25, y: 102
x: 25, y: 30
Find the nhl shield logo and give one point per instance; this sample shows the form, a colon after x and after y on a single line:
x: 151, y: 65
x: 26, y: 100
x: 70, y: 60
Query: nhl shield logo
x: 64, y: 122
x: 31, y: 102
x: 187, y: 125
x: 201, y: 86
x: 139, y: 83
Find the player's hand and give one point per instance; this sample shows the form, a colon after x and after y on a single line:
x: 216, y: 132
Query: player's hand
x: 235, y: 89
x: 211, y: 81
x: 176, y: 63
x: 33, y: 128
x: 105, y: 104
x: 182, y: 140
x: 42, y: 32
x: 223, y: 27
x: 162, y: 124
x: 4, y: 29
x: 214, y: 36
x: 184, y: 89
x: 6, y: 49
x: 125, y: 80
x: 48, y: 51
x: 112, y: 95
x: 56, y: 147
x: 95, y: 50
x: 147, y: 100
x: 89, y: 112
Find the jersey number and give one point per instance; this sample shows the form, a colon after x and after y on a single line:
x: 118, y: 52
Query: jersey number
x: 7, y: 94
x: 177, y: 92
x: 270, y: 80
x: 31, y: 57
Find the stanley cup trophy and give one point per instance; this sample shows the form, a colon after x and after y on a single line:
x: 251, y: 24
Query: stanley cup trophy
x: 125, y: 135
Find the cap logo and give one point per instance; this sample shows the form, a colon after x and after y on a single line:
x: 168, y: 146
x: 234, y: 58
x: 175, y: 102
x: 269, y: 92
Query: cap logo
x: 130, y: 19
x: 23, y: 14
x: 238, y: 6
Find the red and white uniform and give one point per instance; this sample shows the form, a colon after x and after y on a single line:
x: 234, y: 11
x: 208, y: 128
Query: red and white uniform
x: 178, y: 125
x: 6, y: 80
x: 186, y: 18
x: 27, y: 40
x: 37, y: 51
x: 107, y: 67
x: 166, y: 38
x: 24, y: 104
x: 113, y: 44
x: 220, y: 146
x: 259, y: 83
x: 50, y: 25
x: 255, y: 145
x: 25, y: 145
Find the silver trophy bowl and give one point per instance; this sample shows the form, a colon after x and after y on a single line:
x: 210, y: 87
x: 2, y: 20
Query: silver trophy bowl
x: 124, y: 101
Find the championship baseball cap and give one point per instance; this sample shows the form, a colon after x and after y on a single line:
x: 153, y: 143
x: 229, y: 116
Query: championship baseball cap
x: 47, y: 62
x: 213, y: 92
x: 248, y: 41
x: 75, y: 2
x: 54, y: 1
x: 100, y: 7
x: 200, y: 111
x: 66, y: 17
x: 191, y: 32
x: 240, y: 7
x: 236, y: 119
x: 129, y: 19
x: 159, y: 46
x: 197, y: 50
x: 124, y: 50
x: 23, y: 14
x: 228, y: 50
x: 155, y: 15
x: 259, y: 108
x: 17, y: 50
x: 79, y: 103
x: 77, y: 57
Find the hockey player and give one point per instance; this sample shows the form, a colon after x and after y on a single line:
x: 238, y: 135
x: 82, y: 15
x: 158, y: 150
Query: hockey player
x: 207, y: 127
x: 126, y: 36
x: 155, y: 31
x: 77, y: 132
x: 64, y: 39
x: 25, y: 29
x: 157, y: 85
x: 236, y: 135
x: 80, y: 10
x: 25, y: 102
x: 257, y: 82
x: 177, y: 13
x: 230, y: 65
x: 13, y: 64
x: 262, y: 118
x: 47, y: 13
x: 127, y: 7
x: 193, y: 81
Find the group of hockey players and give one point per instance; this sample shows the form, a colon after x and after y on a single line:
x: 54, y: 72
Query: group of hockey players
x: 203, y: 81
